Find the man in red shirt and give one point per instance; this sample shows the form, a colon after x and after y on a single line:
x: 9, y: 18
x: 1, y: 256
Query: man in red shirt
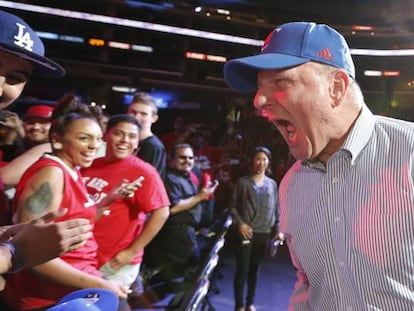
x: 130, y: 222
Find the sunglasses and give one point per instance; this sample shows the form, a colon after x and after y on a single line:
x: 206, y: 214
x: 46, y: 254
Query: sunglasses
x: 183, y: 157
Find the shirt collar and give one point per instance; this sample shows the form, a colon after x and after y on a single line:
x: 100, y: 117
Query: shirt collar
x: 72, y: 172
x: 360, y: 133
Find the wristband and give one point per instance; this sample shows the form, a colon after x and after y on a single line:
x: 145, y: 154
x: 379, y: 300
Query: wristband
x: 15, y: 261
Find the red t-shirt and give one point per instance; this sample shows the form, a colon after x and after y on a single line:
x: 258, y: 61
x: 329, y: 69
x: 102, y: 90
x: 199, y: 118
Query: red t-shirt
x: 26, y: 289
x: 117, y: 230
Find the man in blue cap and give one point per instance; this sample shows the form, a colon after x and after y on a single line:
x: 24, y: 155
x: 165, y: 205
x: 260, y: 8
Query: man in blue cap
x: 347, y: 203
x: 25, y: 245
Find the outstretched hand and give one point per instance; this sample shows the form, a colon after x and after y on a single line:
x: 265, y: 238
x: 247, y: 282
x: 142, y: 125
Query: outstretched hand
x: 42, y: 239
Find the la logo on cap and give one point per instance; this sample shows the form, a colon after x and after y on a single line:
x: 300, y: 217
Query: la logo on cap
x: 23, y: 38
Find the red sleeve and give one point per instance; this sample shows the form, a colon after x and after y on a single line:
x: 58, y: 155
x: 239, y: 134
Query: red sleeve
x: 152, y: 195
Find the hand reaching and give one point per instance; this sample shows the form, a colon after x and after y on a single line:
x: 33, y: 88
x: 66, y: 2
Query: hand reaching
x: 42, y: 240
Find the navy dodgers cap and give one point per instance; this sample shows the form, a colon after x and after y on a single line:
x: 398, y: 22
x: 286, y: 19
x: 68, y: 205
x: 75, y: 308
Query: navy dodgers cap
x: 18, y: 38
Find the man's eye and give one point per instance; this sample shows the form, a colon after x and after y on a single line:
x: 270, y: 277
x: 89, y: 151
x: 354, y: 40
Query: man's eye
x: 16, y: 79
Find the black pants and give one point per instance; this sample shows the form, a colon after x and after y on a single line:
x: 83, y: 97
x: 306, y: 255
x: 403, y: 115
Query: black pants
x: 248, y: 258
x: 173, y: 250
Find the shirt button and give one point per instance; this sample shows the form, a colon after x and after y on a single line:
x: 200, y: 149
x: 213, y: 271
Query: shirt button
x: 341, y: 264
x: 335, y: 179
x: 349, y: 309
x: 337, y: 219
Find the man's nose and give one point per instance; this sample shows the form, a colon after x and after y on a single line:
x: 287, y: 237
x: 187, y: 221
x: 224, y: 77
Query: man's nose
x: 259, y: 100
x: 125, y: 138
x: 95, y: 143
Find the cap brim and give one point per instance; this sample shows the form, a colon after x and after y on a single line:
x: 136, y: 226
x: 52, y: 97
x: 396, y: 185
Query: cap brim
x: 43, y: 67
x: 106, y: 300
x: 35, y: 116
x: 78, y: 304
x: 241, y: 73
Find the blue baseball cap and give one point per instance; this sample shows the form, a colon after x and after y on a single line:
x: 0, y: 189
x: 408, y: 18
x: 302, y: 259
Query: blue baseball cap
x: 90, y: 299
x: 290, y: 45
x: 18, y: 38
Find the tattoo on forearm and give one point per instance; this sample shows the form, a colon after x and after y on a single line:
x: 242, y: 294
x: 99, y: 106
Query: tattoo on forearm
x: 40, y: 200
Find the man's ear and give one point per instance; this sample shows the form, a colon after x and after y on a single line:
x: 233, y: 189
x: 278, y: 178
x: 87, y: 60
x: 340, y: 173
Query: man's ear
x: 155, y: 118
x: 339, y: 86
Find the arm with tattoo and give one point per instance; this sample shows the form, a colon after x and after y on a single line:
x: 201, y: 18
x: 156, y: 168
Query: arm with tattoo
x: 42, y: 194
x: 38, y: 202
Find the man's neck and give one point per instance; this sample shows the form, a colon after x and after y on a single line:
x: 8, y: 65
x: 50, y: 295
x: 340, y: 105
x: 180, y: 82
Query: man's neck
x: 145, y: 134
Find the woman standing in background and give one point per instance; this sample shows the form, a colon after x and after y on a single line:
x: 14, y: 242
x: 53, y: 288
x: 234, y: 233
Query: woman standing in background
x: 255, y: 211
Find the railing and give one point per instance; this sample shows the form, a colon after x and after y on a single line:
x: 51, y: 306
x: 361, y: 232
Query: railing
x: 195, y: 296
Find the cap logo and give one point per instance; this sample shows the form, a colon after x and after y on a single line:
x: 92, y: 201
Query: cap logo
x: 23, y: 38
x: 325, y: 54
x: 269, y: 38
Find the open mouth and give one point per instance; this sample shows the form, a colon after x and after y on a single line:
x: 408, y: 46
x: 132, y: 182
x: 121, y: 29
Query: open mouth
x: 288, y: 129
x: 88, y: 157
x: 122, y: 148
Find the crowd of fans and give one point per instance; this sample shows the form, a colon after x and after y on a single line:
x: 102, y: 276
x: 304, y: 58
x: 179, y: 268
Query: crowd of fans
x: 71, y: 163
x: 220, y: 151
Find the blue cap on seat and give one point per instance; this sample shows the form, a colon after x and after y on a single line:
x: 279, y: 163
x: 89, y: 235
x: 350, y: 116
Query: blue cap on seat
x: 18, y: 38
x: 90, y: 299
x: 290, y: 45
x: 78, y: 304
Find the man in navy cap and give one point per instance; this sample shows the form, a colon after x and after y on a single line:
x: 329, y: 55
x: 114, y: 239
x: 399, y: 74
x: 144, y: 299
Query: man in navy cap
x: 25, y: 245
x: 21, y: 56
x: 347, y: 204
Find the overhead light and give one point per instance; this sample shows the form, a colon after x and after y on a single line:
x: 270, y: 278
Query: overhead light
x: 48, y: 35
x: 362, y: 28
x: 381, y: 73
x: 223, y: 11
x: 123, y: 89
x: 372, y: 73
x: 370, y: 52
x: 72, y: 38
x: 142, y: 48
x: 194, y: 55
x: 119, y: 45
x: 208, y: 57
x: 393, y: 73
x: 216, y: 58
x: 96, y: 42
x: 394, y: 103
